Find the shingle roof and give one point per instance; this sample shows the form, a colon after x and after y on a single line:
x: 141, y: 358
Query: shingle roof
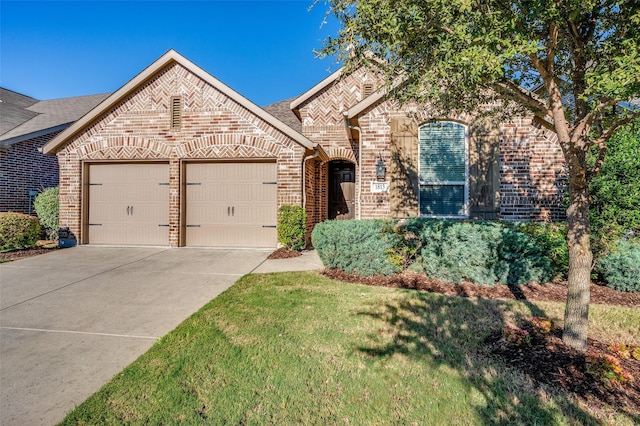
x: 24, y: 117
x: 13, y: 109
x: 282, y: 111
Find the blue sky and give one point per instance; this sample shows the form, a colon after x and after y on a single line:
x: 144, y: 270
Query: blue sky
x: 262, y: 49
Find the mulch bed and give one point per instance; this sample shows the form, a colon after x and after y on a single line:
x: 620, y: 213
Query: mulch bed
x: 553, y: 292
x: 23, y: 254
x: 284, y: 253
x: 548, y: 360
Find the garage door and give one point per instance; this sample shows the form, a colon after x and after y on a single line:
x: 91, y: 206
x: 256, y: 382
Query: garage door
x: 231, y: 205
x: 129, y: 204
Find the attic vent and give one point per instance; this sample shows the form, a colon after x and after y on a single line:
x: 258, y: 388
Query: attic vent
x: 367, y: 90
x: 176, y: 112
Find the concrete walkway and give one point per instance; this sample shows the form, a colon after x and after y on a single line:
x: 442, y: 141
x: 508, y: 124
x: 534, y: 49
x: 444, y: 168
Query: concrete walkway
x: 307, y: 262
x: 72, y: 319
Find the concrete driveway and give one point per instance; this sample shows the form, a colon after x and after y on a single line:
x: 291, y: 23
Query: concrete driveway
x: 72, y: 319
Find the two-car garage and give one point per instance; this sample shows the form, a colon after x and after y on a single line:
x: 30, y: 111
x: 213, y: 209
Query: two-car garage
x: 177, y: 158
x: 223, y: 204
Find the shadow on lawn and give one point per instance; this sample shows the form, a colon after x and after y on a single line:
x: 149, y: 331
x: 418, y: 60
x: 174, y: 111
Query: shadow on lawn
x: 452, y: 331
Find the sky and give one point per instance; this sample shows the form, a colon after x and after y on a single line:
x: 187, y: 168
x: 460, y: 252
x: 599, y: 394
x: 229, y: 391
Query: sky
x: 262, y: 49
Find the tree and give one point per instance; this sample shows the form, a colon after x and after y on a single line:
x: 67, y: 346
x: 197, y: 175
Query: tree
x: 582, y: 57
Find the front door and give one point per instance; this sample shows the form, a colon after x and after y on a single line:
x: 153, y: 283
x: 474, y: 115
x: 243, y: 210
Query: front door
x: 342, y: 190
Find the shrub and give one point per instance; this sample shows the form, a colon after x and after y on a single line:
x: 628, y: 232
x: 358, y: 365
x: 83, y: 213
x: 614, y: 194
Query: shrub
x: 47, y: 206
x: 292, y: 222
x: 482, y: 252
x: 355, y: 246
x: 615, y: 191
x: 18, y: 231
x: 621, y: 268
x: 552, y: 239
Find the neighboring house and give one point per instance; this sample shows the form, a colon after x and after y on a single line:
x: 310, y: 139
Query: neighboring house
x: 175, y: 157
x: 26, y: 124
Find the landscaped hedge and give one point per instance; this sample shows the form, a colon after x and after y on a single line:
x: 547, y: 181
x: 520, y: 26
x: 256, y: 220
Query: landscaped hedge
x: 621, y: 268
x: 481, y: 252
x: 18, y: 231
x: 355, y: 246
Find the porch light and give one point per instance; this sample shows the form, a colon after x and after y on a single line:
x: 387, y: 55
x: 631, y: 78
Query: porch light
x: 381, y: 169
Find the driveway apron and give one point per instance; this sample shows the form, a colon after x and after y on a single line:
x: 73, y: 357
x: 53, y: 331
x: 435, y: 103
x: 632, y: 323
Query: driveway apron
x: 72, y: 319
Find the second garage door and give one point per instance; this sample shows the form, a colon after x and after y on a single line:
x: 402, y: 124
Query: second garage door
x: 231, y: 204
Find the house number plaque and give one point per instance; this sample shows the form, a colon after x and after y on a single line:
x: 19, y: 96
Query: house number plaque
x: 379, y: 187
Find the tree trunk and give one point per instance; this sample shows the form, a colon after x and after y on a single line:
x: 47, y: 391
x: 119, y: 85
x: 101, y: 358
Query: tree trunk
x: 576, y: 314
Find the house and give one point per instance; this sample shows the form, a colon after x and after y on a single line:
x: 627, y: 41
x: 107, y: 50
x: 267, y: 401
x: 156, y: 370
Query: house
x: 175, y: 157
x: 26, y: 124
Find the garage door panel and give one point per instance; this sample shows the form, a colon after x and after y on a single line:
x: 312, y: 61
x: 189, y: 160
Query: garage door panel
x: 129, y: 204
x: 231, y: 204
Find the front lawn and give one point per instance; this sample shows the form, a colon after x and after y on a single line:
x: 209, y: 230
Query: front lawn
x: 299, y: 348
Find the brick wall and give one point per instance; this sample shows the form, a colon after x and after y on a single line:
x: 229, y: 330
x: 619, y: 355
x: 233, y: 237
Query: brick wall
x: 24, y: 168
x: 213, y: 127
x: 532, y: 171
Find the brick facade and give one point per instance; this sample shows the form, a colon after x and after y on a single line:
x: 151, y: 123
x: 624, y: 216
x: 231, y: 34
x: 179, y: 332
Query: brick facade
x: 213, y: 127
x: 24, y: 168
x: 532, y: 176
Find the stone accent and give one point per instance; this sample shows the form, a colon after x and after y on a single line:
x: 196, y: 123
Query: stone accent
x: 24, y: 168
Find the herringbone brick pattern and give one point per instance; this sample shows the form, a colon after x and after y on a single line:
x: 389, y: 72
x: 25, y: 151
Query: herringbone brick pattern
x: 213, y: 127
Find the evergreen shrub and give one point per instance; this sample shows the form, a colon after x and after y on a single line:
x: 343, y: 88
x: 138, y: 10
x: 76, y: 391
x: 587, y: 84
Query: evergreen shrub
x: 621, y: 268
x: 47, y: 208
x: 355, y: 246
x: 18, y: 231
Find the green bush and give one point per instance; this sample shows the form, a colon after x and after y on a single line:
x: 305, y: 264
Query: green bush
x: 355, y: 246
x: 292, y: 222
x: 615, y: 191
x: 18, y: 231
x: 481, y: 252
x: 47, y: 208
x: 552, y: 238
x: 621, y: 268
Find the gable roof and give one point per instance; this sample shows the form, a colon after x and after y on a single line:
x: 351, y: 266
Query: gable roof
x: 315, y: 89
x: 282, y: 111
x: 25, y: 118
x: 145, y: 75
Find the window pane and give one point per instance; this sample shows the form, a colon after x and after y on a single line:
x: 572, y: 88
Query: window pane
x: 442, y: 200
x: 442, y: 152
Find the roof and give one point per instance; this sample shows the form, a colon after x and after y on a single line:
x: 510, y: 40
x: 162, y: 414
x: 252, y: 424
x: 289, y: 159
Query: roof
x: 24, y: 117
x: 145, y: 75
x: 13, y: 109
x: 315, y: 89
x: 282, y: 111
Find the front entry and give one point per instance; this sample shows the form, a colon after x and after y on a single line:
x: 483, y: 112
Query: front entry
x: 342, y: 190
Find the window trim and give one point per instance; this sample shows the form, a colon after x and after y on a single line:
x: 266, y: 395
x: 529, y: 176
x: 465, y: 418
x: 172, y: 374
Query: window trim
x: 465, y: 184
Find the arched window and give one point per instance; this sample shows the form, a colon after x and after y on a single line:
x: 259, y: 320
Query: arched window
x: 443, y: 170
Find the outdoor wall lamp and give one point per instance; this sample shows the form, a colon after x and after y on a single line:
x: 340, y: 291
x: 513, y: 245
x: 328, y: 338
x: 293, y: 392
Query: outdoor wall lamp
x: 381, y: 169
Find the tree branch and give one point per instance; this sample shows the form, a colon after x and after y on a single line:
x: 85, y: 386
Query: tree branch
x: 615, y: 126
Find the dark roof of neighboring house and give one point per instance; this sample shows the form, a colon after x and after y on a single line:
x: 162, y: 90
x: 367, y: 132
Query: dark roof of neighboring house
x: 13, y: 109
x: 23, y: 117
x: 282, y: 111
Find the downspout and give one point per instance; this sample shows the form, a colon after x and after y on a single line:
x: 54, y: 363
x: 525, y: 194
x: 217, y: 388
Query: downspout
x: 304, y: 185
x: 304, y: 177
x: 359, y: 192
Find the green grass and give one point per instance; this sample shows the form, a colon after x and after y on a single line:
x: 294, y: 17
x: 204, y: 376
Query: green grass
x: 298, y: 348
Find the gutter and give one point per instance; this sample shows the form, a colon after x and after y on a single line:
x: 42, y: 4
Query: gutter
x: 359, y: 187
